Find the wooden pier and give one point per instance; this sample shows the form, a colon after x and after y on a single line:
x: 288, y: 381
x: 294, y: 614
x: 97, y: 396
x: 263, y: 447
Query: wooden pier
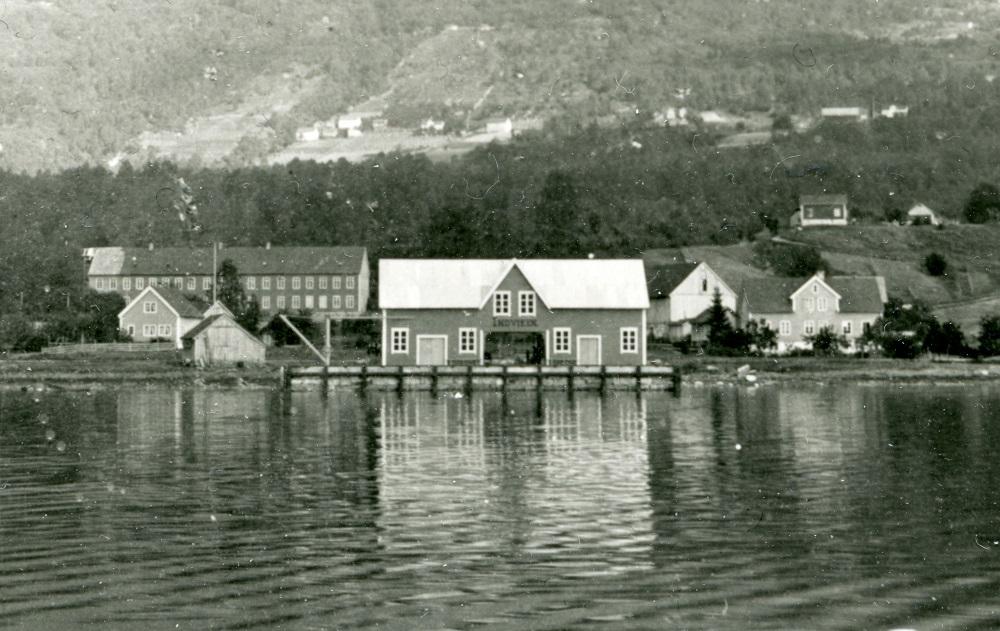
x: 470, y: 378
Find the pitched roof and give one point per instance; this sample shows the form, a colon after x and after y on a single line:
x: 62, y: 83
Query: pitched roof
x: 468, y: 283
x: 202, y: 326
x: 920, y: 209
x: 807, y: 200
x: 185, y: 308
x: 182, y: 261
x: 663, y: 279
x: 858, y: 294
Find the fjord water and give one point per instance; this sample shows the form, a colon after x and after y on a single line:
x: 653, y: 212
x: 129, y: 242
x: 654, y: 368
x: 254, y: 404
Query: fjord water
x: 848, y: 507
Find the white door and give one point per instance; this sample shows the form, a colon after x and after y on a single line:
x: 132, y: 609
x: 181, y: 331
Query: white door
x: 432, y: 350
x: 588, y: 350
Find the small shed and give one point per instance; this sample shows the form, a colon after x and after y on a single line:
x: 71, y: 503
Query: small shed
x: 219, y: 340
x: 921, y: 215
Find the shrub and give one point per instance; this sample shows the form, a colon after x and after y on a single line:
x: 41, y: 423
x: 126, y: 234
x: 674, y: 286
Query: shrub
x: 935, y: 264
x: 989, y: 336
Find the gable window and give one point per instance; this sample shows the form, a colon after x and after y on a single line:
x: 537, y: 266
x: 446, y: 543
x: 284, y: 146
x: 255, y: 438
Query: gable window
x: 846, y: 327
x: 322, y: 282
x: 281, y: 282
x: 467, y: 340
x: 251, y: 282
x: 785, y: 327
x: 821, y: 303
x: 149, y: 306
x: 126, y: 283
x: 809, y: 327
x: 265, y: 282
x: 349, y: 302
x: 815, y: 288
x: 501, y: 303
x: 335, y: 282
x: 400, y: 341
x: 525, y: 303
x: 560, y: 340
x: 704, y: 284
x: 309, y: 282
x: 296, y: 282
x: 629, y: 339
x: 349, y: 282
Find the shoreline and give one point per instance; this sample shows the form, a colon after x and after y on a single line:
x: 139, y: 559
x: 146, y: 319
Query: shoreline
x: 87, y: 373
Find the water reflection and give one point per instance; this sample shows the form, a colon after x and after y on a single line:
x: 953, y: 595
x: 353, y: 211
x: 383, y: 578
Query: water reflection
x: 827, y: 508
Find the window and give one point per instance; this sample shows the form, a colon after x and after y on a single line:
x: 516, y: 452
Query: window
x: 112, y: 283
x: 322, y: 282
x: 467, y: 340
x: 322, y: 301
x: 206, y: 283
x: 525, y: 303
x: 815, y: 288
x: 149, y: 330
x: 821, y: 303
x: 335, y: 302
x: 281, y: 282
x: 704, y: 284
x: 866, y: 327
x: 768, y: 324
x: 163, y: 330
x: 130, y: 329
x: 629, y: 339
x: 149, y: 306
x: 265, y: 302
x: 296, y: 282
x: 785, y: 327
x: 400, y: 341
x: 251, y: 282
x: 836, y: 211
x: 126, y: 283
x: 296, y: 302
x: 560, y: 340
x: 809, y: 304
x: 279, y: 302
x: 309, y: 301
x: 349, y: 302
x: 501, y: 303
x: 310, y: 283
x: 99, y: 283
x: 846, y: 327
x: 349, y: 282
x: 335, y: 282
x: 809, y: 327
x: 164, y: 281
x: 139, y: 282
x: 178, y: 282
x: 265, y: 282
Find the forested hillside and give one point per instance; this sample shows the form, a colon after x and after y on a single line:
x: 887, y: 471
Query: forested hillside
x: 84, y: 79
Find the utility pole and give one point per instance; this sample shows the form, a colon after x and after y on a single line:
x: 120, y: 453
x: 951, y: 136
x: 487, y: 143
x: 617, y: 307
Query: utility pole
x: 215, y: 271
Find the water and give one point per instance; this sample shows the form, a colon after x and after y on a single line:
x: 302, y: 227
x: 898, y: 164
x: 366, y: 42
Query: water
x: 788, y: 508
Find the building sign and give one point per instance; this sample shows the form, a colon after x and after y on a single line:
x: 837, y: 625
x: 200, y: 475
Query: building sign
x: 511, y: 323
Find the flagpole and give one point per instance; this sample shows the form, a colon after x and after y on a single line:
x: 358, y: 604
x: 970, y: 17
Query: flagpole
x: 215, y: 271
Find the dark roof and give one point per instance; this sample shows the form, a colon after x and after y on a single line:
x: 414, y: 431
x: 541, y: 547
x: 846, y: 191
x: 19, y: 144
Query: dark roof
x: 201, y: 326
x: 858, y: 294
x: 258, y: 261
x: 181, y: 304
x: 663, y: 279
x: 809, y: 200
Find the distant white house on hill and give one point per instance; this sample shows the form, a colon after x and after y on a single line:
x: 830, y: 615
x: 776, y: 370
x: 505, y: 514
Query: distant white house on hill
x: 307, y: 134
x: 500, y: 127
x: 820, y: 210
x: 895, y: 111
x: 921, y: 215
x: 350, y: 125
x: 859, y: 114
x: 432, y: 125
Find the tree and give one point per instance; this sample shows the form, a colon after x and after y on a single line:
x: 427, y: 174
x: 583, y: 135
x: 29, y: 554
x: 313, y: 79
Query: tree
x: 989, y: 336
x: 761, y: 337
x: 720, y: 329
x: 902, y: 329
x: 230, y: 293
x: 789, y: 259
x: 557, y: 224
x: 826, y: 343
x: 983, y: 204
x: 945, y: 339
x: 935, y: 264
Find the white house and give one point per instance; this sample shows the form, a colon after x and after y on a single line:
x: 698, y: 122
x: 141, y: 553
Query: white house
x: 895, y: 111
x: 307, y: 134
x: 350, y: 125
x: 159, y: 313
x: 502, y: 127
x: 681, y: 292
x: 844, y: 113
x: 921, y: 215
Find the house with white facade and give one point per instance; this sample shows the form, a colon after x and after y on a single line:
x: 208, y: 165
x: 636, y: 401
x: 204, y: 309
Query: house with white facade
x: 679, y: 296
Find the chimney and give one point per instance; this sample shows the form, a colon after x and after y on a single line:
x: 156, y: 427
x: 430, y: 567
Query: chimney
x: 821, y: 274
x: 267, y: 246
x: 150, y: 245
